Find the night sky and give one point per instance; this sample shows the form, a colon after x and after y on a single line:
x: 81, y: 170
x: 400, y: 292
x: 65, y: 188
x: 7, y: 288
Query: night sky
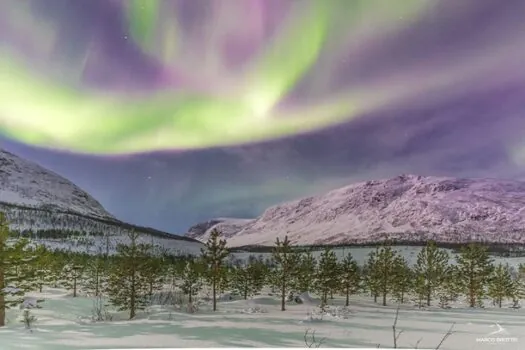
x: 200, y: 109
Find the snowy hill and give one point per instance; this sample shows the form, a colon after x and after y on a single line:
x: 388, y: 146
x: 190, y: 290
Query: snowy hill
x: 28, y: 184
x: 46, y: 206
x: 407, y: 208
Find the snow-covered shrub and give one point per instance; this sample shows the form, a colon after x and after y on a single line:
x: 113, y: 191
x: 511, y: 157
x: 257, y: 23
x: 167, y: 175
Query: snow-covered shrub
x: 28, y: 319
x: 99, y: 311
x: 254, y: 310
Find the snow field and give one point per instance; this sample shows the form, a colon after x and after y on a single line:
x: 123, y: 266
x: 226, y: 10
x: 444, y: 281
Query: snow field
x: 63, y: 323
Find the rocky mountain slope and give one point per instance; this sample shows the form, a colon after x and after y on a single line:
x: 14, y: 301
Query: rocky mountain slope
x: 45, y: 206
x: 407, y: 208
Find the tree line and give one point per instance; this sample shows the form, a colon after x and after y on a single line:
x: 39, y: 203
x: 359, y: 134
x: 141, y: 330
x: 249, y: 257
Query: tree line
x: 138, y: 271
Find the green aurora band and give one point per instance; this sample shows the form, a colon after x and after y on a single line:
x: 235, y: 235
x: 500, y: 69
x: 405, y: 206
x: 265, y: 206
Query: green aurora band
x: 39, y: 112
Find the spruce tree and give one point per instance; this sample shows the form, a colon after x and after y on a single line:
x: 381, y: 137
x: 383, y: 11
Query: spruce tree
x: 327, y: 274
x: 430, y: 270
x: 475, y: 268
x: 127, y: 286
x: 286, y: 262
x: 349, y: 277
x: 501, y: 286
x: 213, y: 256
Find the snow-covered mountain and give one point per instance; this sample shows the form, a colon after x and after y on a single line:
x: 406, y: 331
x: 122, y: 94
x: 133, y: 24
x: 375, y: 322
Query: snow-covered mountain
x: 27, y: 184
x: 54, y: 209
x: 227, y: 226
x: 406, y: 208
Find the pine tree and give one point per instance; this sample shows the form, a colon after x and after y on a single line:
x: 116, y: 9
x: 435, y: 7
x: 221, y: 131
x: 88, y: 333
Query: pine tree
x: 127, y: 285
x: 55, y: 269
x: 42, y: 267
x: 154, y: 273
x: 430, y: 270
x: 248, y: 280
x: 71, y: 275
x: 449, y: 289
x: 475, y: 267
x: 370, y: 275
x: 306, y: 272
x: 213, y: 255
x: 16, y: 275
x: 403, y: 279
x: 224, y: 280
x: 286, y: 262
x: 191, y: 280
x: 349, y: 277
x: 327, y: 274
x: 383, y: 270
x: 501, y: 285
x: 96, y: 277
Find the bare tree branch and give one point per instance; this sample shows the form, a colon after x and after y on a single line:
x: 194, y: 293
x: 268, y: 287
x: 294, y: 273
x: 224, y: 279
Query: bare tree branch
x: 395, y: 333
x: 313, y: 343
x: 448, y: 334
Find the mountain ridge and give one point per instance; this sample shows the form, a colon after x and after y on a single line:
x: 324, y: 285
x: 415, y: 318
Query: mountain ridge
x: 37, y: 201
x: 404, y: 208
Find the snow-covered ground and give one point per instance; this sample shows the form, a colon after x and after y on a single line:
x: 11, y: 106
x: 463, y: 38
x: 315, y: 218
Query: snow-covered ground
x: 64, y: 322
x: 60, y: 325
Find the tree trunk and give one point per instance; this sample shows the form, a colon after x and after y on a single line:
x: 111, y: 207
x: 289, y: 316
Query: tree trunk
x: 214, y: 292
x: 429, y: 296
x: 499, y: 302
x: 384, y: 298
x: 189, y: 296
x: 74, y: 286
x: 132, y: 297
x: 347, y: 302
x: 283, y: 295
x: 96, y: 283
x: 472, y: 295
x: 2, y: 297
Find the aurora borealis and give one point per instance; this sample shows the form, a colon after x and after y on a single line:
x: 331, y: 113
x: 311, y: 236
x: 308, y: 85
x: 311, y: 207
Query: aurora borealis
x: 199, y: 98
x: 245, y: 103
